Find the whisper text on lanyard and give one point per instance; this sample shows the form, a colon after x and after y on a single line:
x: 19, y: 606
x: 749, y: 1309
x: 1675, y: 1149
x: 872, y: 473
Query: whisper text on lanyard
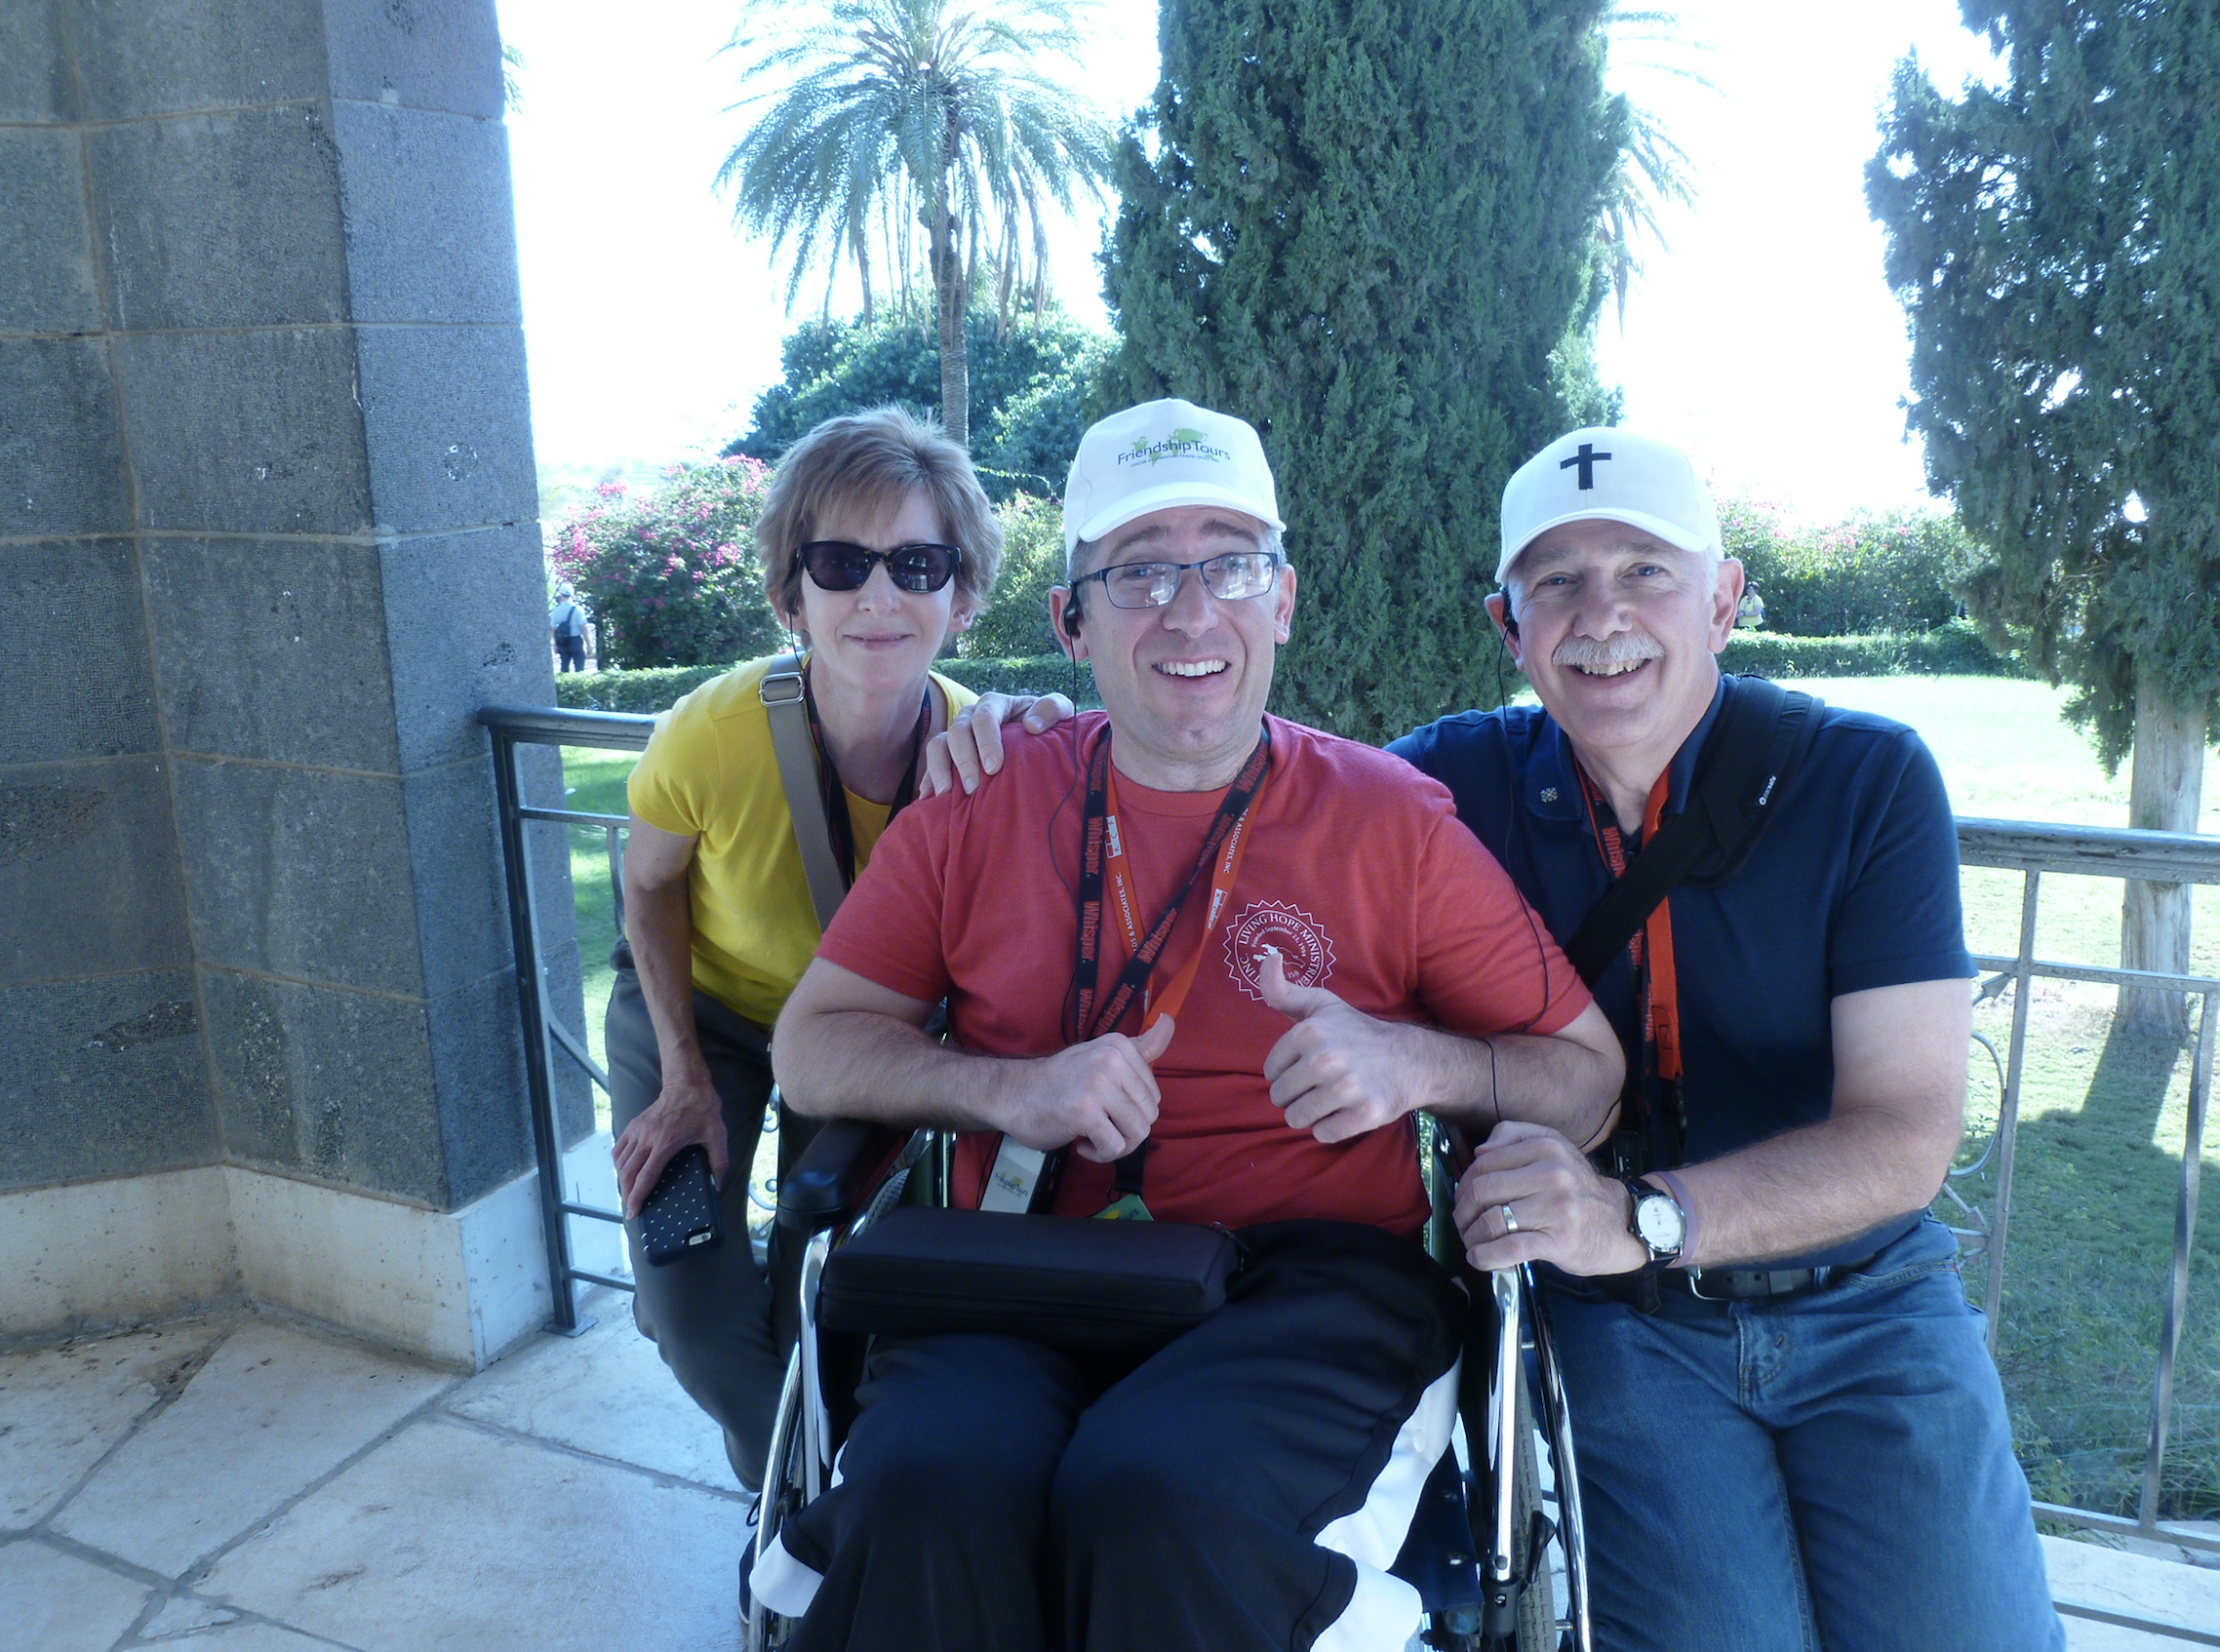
x: 1653, y: 943
x: 1018, y: 1170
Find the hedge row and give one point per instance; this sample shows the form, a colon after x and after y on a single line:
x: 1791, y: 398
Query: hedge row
x: 655, y: 690
x: 1953, y: 650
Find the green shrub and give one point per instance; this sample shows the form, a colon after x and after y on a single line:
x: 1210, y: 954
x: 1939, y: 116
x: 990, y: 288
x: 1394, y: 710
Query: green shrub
x: 644, y: 692
x: 1015, y: 623
x: 649, y: 691
x: 1042, y: 674
x: 1955, y: 650
x: 670, y: 576
x: 1878, y: 571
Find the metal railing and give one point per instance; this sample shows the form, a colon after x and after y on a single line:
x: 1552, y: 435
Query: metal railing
x: 514, y: 727
x: 2151, y: 858
x: 2012, y: 846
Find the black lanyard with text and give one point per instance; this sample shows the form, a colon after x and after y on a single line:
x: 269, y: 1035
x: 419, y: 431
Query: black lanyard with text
x: 837, y: 824
x: 1088, y: 1021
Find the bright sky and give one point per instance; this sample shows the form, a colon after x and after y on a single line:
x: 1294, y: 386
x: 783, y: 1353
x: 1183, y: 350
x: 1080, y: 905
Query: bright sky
x: 1764, y: 341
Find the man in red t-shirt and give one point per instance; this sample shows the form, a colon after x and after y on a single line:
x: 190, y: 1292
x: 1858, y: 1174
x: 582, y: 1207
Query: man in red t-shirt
x: 1220, y: 958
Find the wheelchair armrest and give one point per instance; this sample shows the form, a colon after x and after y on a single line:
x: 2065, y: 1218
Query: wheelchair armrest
x: 835, y: 1173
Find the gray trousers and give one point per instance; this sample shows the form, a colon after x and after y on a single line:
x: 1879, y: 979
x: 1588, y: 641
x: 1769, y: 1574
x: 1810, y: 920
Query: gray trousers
x: 708, y: 1312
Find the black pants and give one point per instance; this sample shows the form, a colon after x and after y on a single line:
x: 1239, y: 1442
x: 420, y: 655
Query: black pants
x: 1247, y: 1487
x: 570, y: 652
x: 708, y: 1312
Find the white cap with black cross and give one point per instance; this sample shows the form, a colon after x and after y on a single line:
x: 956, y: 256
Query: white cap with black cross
x: 1615, y: 475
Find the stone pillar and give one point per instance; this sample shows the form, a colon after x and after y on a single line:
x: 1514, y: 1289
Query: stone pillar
x: 268, y: 515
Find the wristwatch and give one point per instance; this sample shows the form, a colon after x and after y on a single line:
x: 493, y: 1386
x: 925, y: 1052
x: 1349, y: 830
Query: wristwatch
x: 1658, y: 1221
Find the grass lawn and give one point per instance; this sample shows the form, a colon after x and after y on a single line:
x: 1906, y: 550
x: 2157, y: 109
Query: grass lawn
x: 595, y: 783
x: 2102, y: 1114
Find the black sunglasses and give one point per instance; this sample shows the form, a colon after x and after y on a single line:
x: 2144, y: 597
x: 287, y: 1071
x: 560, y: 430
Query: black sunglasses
x: 835, y: 565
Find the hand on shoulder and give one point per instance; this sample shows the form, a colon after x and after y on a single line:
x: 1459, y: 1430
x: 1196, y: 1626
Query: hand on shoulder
x: 971, y: 748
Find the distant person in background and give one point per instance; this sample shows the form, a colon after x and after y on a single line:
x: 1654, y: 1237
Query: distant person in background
x: 877, y: 543
x: 567, y: 623
x: 1749, y: 612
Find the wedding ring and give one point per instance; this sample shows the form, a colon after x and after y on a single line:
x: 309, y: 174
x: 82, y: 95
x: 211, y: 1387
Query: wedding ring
x: 1510, y: 1222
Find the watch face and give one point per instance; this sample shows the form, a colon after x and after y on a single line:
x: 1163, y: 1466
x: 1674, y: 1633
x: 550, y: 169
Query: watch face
x: 1660, y: 1223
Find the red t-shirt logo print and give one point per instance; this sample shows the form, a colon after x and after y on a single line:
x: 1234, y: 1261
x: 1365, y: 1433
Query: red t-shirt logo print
x: 1305, y: 950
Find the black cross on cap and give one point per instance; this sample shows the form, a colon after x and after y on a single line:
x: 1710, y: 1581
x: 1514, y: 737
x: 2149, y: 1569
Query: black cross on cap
x: 1587, y: 458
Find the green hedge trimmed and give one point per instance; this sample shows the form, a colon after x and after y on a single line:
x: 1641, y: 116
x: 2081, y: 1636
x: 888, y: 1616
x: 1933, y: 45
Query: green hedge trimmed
x: 657, y: 691
x: 1953, y: 650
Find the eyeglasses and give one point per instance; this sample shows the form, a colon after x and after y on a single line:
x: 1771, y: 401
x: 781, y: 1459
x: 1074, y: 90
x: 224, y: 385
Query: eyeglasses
x: 1229, y: 577
x: 835, y: 565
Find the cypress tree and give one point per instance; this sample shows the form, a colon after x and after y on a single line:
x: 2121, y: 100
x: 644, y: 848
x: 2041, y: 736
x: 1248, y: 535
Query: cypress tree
x: 2055, y: 243
x: 1367, y: 226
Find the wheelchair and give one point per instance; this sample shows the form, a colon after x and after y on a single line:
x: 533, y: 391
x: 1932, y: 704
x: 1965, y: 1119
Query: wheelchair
x: 1492, y: 1546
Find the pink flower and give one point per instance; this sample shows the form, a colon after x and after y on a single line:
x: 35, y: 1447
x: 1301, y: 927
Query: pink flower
x: 611, y: 490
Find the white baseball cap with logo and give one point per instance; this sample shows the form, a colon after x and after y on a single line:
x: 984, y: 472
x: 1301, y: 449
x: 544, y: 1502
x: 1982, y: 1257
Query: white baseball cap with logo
x: 1611, y: 474
x: 1160, y: 455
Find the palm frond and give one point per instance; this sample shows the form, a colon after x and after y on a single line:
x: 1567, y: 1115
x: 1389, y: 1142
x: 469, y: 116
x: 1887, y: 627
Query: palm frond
x: 868, y: 114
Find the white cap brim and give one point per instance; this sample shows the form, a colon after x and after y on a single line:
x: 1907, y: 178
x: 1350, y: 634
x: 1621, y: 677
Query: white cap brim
x: 1671, y: 533
x: 1134, y: 506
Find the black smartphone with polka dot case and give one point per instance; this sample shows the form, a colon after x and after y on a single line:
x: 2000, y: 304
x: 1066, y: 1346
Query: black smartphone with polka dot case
x: 682, y: 1213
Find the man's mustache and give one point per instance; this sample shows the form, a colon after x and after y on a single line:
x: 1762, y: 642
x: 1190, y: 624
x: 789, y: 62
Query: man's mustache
x: 1621, y: 649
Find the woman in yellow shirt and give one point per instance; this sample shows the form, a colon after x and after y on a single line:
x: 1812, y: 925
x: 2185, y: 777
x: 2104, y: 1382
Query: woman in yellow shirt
x: 877, y: 543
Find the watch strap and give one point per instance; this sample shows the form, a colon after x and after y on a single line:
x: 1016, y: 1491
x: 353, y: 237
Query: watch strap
x: 1637, y: 1191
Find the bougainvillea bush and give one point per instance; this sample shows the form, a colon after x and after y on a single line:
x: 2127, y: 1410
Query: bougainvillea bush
x: 670, y: 574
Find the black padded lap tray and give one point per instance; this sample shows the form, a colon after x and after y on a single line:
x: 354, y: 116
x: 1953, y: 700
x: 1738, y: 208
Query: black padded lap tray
x: 1077, y: 1284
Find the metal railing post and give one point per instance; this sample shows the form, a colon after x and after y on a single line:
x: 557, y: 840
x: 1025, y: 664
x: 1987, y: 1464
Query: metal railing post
x: 2177, y: 1299
x: 2008, y: 1113
x: 531, y: 1010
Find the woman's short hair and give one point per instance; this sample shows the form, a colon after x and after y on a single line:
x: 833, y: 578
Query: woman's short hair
x: 872, y: 460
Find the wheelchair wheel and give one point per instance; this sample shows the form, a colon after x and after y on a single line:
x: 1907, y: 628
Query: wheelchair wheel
x: 1537, y: 1605
x: 782, y: 1498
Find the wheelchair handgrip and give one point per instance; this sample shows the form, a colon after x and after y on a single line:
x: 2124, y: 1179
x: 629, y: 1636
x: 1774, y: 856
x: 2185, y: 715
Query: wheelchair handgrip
x: 834, y: 1173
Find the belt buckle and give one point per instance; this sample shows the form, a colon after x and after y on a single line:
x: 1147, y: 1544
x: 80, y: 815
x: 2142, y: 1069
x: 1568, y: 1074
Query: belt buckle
x: 1814, y: 1279
x: 1697, y: 1287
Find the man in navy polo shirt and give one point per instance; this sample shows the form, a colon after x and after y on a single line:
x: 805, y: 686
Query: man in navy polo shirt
x: 1791, y: 1435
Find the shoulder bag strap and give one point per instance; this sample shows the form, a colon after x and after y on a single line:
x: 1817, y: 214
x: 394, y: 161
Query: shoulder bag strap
x: 781, y: 692
x: 1746, y: 761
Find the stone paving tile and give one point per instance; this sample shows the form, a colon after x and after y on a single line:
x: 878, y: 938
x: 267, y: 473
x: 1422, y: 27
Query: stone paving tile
x: 55, y: 1602
x: 62, y: 1408
x: 186, y: 1612
x: 247, y: 1636
x: 607, y: 1392
x: 449, y: 1538
x: 275, y: 1409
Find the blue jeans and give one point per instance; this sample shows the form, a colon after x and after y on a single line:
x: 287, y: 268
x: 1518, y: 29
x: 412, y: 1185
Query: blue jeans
x: 1824, y: 1472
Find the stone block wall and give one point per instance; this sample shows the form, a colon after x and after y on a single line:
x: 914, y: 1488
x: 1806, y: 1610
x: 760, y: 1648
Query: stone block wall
x: 267, y: 514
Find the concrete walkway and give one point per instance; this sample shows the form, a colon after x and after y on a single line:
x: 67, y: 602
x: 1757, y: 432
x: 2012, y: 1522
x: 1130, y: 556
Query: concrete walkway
x: 249, y: 1483
x: 246, y: 1483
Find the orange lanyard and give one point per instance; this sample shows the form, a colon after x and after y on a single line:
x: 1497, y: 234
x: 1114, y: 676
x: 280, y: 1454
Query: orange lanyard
x: 1099, y: 839
x: 1661, y: 1003
x: 1224, y: 869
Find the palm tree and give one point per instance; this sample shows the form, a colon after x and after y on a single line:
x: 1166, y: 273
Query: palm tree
x: 894, y: 114
x: 1653, y: 170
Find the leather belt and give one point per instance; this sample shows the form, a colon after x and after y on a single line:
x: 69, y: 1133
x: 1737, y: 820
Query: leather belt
x: 1752, y: 1284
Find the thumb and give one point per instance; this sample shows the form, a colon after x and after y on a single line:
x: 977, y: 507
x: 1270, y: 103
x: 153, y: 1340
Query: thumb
x: 1296, y: 1003
x: 1156, y: 1039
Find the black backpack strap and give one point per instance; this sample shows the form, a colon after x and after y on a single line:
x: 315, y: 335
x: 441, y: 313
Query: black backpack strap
x: 1754, y: 749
